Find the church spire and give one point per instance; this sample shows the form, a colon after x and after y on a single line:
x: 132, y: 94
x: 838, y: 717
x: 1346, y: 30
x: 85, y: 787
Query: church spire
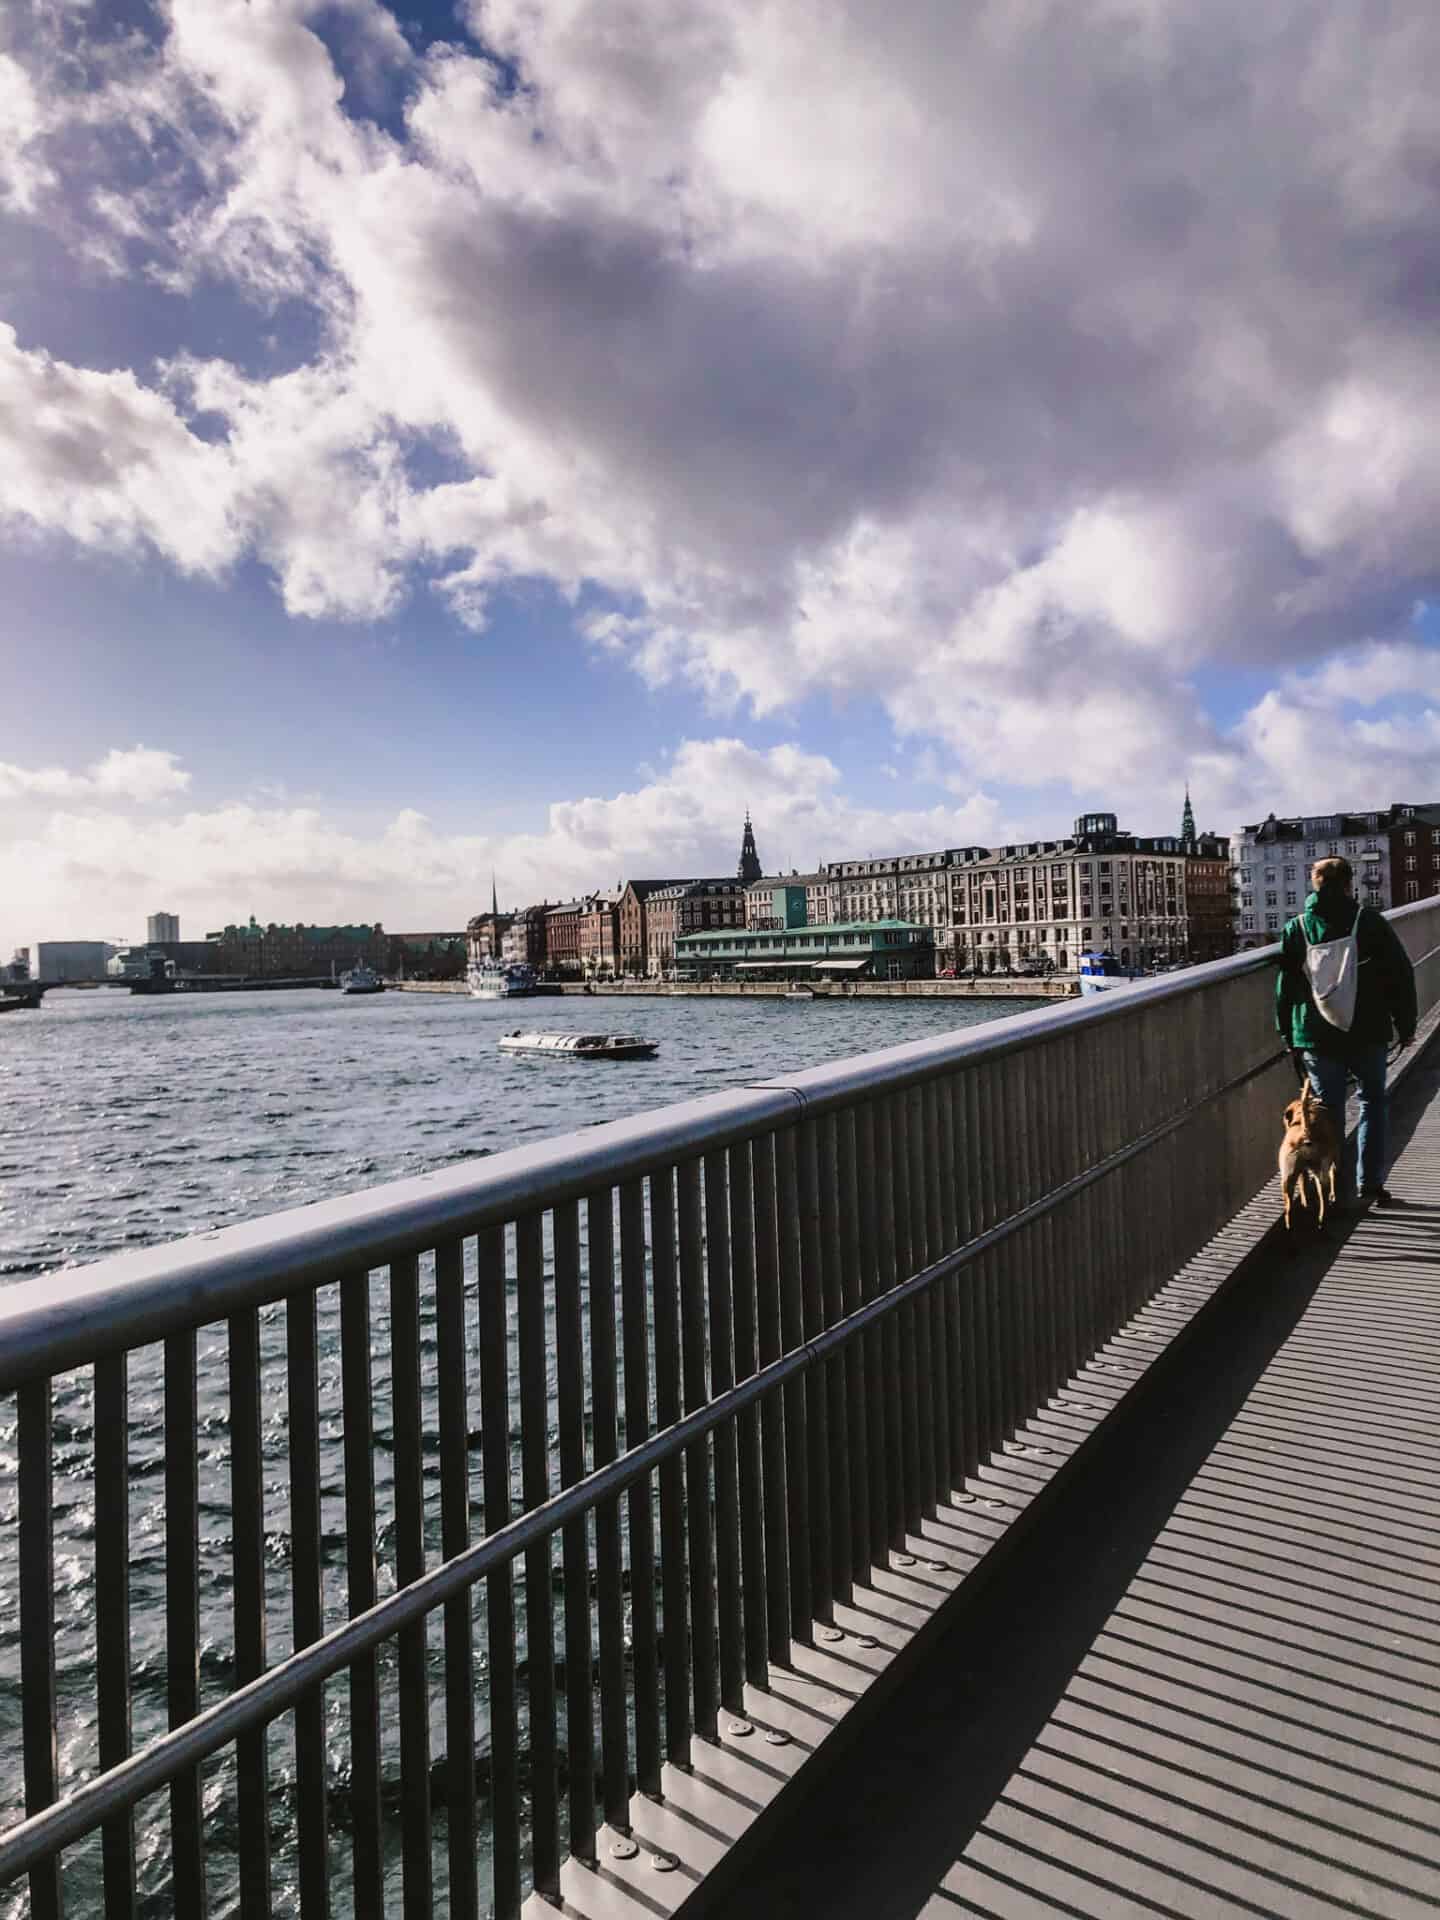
x: 494, y: 898
x: 749, y: 868
x: 1187, y: 821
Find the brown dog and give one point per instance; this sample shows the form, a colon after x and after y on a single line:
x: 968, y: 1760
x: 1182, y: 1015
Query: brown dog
x: 1310, y: 1148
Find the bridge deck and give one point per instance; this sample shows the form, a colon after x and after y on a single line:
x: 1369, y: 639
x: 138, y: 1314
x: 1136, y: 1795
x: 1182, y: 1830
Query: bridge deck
x: 1208, y: 1683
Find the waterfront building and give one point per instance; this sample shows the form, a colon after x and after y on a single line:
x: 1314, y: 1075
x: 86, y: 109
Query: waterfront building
x: 907, y: 886
x: 599, y: 933
x: 18, y: 970
x: 162, y: 929
x: 562, y: 937
x: 427, y: 956
x: 1210, y: 932
x: 689, y: 906
x: 524, y: 942
x: 1040, y: 904
x: 871, y: 950
x: 1271, y: 862
x: 485, y: 936
x: 300, y: 952
x: 62, y: 960
x: 772, y: 902
x: 634, y: 930
x: 166, y: 956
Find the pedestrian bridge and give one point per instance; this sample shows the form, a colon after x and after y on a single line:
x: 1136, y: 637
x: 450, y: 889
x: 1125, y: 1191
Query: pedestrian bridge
x: 924, y: 1485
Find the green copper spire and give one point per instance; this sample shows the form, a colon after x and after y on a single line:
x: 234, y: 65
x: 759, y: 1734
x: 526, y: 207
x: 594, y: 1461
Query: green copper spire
x: 1187, y: 820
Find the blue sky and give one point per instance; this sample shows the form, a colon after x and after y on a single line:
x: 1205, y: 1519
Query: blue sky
x: 443, y: 438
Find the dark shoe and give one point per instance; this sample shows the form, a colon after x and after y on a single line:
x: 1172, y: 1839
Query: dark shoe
x: 1379, y: 1196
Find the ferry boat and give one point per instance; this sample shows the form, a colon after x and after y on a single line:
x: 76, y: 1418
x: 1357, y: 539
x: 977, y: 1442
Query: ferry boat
x: 1103, y: 973
x: 492, y: 979
x: 579, y: 1046
x: 361, y: 979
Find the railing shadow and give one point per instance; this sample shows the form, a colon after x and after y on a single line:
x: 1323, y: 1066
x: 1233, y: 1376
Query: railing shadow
x: 878, y: 1834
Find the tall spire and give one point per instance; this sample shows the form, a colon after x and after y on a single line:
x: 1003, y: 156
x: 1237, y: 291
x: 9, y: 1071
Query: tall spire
x: 1187, y: 821
x: 749, y: 868
x: 494, y: 897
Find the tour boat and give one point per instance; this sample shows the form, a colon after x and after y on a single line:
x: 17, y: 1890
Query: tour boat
x: 361, y: 979
x: 492, y: 979
x: 1103, y: 973
x: 579, y: 1046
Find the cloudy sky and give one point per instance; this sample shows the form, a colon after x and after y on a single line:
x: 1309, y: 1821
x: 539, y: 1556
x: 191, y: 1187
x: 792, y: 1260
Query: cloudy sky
x: 459, y: 434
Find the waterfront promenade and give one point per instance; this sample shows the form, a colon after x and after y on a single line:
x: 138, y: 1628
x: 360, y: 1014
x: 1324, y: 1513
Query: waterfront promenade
x: 1207, y: 1680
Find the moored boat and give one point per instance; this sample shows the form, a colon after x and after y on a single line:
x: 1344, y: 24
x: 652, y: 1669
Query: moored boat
x: 1103, y: 973
x: 491, y: 979
x: 361, y: 979
x: 579, y: 1046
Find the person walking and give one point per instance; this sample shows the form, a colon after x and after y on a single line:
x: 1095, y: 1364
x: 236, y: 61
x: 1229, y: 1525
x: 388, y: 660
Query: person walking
x: 1346, y: 985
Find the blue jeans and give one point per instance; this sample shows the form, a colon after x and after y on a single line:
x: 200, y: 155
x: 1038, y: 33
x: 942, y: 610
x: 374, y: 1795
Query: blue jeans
x: 1328, y: 1078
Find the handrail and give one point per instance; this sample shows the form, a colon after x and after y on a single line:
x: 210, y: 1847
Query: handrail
x: 77, y: 1314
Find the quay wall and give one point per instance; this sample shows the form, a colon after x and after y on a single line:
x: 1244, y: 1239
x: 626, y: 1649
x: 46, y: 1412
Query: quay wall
x: 998, y: 989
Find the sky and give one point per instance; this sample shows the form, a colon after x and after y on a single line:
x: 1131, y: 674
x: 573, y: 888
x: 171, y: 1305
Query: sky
x: 519, y: 436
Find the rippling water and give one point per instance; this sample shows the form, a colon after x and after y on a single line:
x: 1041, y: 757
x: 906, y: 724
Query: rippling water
x: 127, y: 1122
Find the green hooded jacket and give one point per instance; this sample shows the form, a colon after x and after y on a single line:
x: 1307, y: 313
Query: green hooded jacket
x: 1385, y: 999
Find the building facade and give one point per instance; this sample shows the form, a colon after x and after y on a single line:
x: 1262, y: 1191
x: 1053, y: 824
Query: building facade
x: 917, y: 887
x: 562, y: 938
x: 162, y: 929
x: 1271, y: 862
x: 524, y: 941
x: 485, y: 936
x: 1038, y: 905
x: 634, y: 930
x: 888, y: 950
x: 427, y: 956
x: 1414, y: 848
x: 688, y: 907
x: 300, y: 952
x: 600, y: 935
x: 61, y: 960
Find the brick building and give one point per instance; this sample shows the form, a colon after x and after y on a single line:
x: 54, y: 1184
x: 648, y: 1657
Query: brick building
x: 524, y: 942
x: 634, y: 929
x: 300, y: 952
x: 599, y: 934
x: 562, y: 937
x: 1414, y: 838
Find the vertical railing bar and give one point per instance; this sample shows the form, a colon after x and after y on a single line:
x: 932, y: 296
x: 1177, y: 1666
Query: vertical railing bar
x: 720, y: 1300
x: 182, y: 1613
x: 674, y: 1600
x: 772, y: 1410
x: 418, y: 1873
x: 306, y: 1600
x: 836, y: 1370
x: 939, y: 1295
x: 644, y: 1638
x: 367, y: 1863
x: 891, y: 1372
x: 743, y: 1231
x: 453, y: 1399
x: 609, y: 1577
x: 797, y: 1426
x: 856, y: 1402
x: 869, y: 1182
x: 112, y: 1634
x: 494, y: 1349
x: 914, y: 1504
x: 539, y: 1597
x: 247, y: 1561
x: 817, y: 1399
x: 922, y: 1313
x: 36, y: 1441
x: 579, y: 1647
x: 950, y: 1232
x: 966, y: 1212
x: 705, y: 1661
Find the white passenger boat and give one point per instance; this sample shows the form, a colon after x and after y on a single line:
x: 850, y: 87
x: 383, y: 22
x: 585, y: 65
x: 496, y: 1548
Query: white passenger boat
x: 1103, y: 973
x: 361, y: 979
x: 579, y: 1046
x: 500, y: 980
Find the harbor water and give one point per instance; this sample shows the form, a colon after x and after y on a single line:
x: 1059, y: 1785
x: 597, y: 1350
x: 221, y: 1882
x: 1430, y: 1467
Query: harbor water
x: 126, y: 1122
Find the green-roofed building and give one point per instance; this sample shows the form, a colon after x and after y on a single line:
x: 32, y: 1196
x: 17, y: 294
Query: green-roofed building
x: 852, y: 950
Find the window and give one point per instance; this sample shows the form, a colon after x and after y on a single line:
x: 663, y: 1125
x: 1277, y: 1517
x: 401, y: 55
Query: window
x: 1410, y: 863
x: 1272, y: 922
x: 1309, y: 849
x: 1352, y: 846
x: 1290, y: 899
x: 1412, y: 889
x: 1272, y: 900
x: 1410, y: 839
x: 1289, y: 873
x: 1247, y: 922
x: 1269, y: 876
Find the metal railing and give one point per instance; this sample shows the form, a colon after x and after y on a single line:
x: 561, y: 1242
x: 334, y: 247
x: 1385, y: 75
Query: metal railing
x: 728, y: 1355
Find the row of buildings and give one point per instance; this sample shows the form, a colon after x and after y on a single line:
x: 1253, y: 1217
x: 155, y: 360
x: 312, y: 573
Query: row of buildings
x: 1394, y: 850
x: 1034, y: 906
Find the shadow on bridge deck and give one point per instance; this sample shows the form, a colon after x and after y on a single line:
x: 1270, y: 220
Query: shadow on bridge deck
x: 1207, y: 1682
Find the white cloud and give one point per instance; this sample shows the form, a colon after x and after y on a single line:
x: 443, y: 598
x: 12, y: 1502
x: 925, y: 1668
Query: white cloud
x: 23, y: 175
x: 1004, y: 366
x: 140, y: 774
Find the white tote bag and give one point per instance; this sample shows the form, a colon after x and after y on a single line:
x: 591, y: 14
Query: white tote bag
x: 1333, y: 967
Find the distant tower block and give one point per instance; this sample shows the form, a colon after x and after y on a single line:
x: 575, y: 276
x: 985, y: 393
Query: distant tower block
x: 1187, y: 821
x: 162, y: 928
x: 749, y: 868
